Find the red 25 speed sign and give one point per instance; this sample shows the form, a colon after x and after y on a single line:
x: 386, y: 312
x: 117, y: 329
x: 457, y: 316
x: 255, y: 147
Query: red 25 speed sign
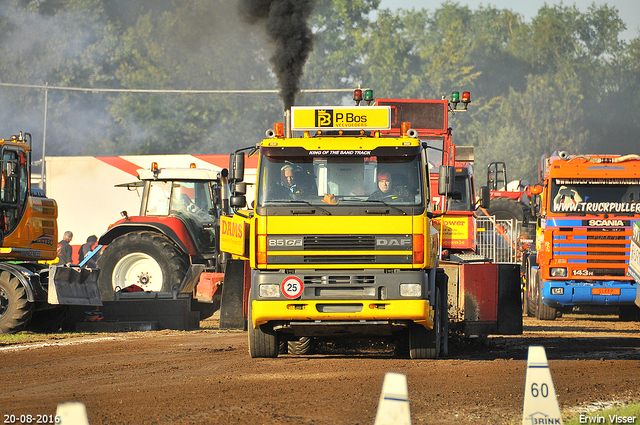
x: 291, y: 287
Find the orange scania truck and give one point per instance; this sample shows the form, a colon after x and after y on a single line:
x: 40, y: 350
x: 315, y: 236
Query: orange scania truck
x: 585, y: 207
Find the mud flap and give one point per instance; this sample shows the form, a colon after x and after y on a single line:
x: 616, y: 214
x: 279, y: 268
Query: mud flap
x: 509, y: 302
x: 73, y: 286
x: 231, y: 305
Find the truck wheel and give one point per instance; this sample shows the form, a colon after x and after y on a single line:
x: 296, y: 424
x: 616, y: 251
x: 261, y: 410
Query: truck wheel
x: 629, y: 313
x: 146, y: 259
x: 529, y: 293
x: 425, y: 343
x: 15, y: 309
x: 263, y: 340
x: 48, y: 321
x: 543, y: 311
x: 302, y: 346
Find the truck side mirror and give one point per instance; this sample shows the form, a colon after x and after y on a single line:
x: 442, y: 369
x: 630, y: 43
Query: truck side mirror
x: 485, y: 197
x: 238, y: 201
x: 446, y: 177
x: 236, y: 166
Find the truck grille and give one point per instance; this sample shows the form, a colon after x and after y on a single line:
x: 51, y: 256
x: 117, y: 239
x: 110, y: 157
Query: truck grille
x: 338, y: 242
x: 340, y: 280
x: 602, y: 252
x: 340, y: 249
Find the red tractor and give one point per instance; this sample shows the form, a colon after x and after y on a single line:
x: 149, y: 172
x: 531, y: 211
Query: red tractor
x: 172, y: 246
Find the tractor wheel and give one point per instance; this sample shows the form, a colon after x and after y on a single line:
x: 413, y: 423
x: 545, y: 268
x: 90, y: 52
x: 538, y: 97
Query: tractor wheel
x: 148, y: 260
x: 302, y: 346
x: 48, y: 321
x: 15, y: 309
x: 425, y: 343
x: 507, y: 209
x: 263, y: 340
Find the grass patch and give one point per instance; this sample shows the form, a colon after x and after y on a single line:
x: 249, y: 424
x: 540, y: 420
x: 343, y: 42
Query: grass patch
x: 609, y: 416
x: 26, y: 337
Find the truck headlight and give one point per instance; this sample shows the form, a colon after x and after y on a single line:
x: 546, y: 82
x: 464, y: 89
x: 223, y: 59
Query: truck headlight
x: 557, y: 291
x: 269, y: 291
x: 558, y: 272
x: 410, y: 290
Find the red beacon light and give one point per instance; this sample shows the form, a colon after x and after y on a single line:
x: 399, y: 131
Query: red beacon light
x: 192, y: 165
x: 357, y: 95
x: 466, y: 99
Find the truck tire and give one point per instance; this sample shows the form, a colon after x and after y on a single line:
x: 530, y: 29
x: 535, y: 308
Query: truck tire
x: 629, y: 313
x: 425, y: 343
x: 302, y: 346
x: 263, y: 340
x: 529, y: 306
x: 543, y: 311
x: 149, y: 260
x: 15, y: 308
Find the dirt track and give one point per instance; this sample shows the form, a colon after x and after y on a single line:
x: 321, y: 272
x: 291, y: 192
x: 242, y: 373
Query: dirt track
x: 207, y: 377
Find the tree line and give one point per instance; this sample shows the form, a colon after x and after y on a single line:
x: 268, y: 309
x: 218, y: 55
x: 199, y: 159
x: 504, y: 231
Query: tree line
x: 564, y: 81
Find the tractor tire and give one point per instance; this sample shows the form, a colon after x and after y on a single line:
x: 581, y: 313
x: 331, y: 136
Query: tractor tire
x: 15, y: 309
x: 302, y: 346
x: 263, y: 340
x: 48, y: 321
x: 426, y: 343
x: 149, y: 260
x: 507, y: 209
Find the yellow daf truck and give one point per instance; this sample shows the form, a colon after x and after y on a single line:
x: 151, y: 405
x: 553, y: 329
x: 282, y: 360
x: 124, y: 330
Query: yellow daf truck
x: 340, y: 237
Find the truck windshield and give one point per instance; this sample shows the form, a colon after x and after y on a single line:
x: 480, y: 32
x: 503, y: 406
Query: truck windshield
x: 343, y: 180
x: 596, y: 196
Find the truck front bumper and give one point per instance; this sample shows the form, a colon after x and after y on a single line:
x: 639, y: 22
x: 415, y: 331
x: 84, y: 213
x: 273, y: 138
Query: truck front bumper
x: 559, y: 293
x: 318, y: 311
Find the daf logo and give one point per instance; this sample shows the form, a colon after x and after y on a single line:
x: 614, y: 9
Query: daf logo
x: 388, y: 242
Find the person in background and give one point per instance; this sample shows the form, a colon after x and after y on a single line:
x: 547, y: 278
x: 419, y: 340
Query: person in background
x: 64, y: 249
x: 90, y: 245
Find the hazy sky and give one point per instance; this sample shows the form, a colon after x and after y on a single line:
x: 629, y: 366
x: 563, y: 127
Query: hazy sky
x: 628, y: 10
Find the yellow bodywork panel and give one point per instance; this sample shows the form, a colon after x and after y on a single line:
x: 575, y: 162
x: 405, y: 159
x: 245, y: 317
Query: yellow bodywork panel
x: 418, y: 311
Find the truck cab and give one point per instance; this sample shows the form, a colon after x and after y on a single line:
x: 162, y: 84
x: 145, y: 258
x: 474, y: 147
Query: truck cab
x: 340, y: 238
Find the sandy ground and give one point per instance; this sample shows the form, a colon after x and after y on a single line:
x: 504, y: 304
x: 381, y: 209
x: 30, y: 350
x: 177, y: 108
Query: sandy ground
x: 207, y: 377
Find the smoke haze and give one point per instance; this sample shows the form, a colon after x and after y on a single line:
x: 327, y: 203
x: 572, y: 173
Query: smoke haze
x: 286, y: 25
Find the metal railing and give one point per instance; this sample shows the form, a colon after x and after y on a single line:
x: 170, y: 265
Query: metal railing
x: 498, y: 239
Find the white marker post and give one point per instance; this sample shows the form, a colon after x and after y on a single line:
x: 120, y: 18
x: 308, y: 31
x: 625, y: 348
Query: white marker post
x: 540, y: 401
x: 72, y: 413
x: 393, y: 407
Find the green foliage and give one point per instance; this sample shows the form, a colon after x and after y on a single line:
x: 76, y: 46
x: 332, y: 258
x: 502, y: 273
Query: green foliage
x: 560, y: 82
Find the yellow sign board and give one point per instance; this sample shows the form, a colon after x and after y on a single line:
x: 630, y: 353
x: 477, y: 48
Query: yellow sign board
x: 340, y: 118
x: 233, y: 235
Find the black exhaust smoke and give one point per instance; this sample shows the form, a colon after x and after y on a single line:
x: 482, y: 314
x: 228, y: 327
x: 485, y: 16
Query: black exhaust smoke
x: 286, y: 25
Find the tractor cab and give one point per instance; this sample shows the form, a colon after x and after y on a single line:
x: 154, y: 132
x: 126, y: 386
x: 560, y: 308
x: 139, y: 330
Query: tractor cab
x: 187, y: 194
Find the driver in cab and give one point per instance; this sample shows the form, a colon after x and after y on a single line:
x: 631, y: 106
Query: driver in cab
x: 384, y: 187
